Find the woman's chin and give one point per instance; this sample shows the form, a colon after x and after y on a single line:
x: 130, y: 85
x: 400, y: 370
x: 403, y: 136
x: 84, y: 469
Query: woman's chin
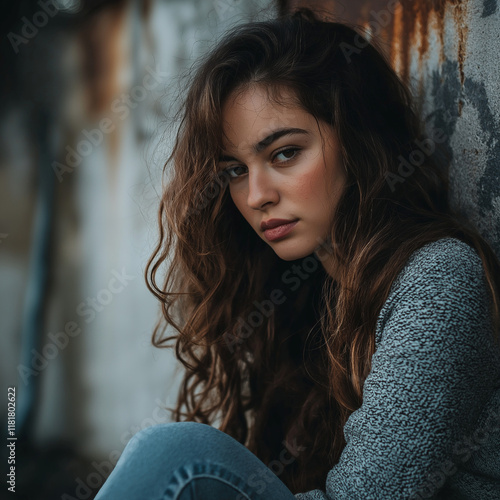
x: 287, y: 251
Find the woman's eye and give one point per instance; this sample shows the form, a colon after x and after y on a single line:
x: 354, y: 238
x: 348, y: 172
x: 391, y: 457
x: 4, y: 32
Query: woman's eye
x: 230, y: 169
x: 287, y: 154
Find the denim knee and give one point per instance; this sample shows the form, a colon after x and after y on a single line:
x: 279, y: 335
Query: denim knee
x: 162, y: 437
x: 180, y: 459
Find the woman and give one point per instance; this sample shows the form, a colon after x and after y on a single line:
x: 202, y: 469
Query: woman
x: 336, y: 319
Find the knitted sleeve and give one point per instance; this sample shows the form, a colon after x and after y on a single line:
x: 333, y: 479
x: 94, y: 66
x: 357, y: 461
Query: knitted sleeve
x: 432, y: 373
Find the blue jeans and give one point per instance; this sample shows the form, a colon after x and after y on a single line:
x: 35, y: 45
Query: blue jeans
x: 192, y: 461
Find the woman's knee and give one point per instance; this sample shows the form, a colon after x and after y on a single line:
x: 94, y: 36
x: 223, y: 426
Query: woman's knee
x: 159, y: 439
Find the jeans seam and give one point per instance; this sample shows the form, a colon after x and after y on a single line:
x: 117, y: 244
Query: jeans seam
x: 210, y: 474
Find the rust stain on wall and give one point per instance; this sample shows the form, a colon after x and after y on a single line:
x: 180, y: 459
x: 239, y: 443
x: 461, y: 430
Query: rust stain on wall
x: 101, y: 41
x: 460, y: 13
x: 409, y: 27
x: 431, y: 16
x: 102, y: 56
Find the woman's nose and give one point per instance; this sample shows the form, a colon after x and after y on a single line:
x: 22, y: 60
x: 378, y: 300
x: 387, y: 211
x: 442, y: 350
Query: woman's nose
x: 262, y: 188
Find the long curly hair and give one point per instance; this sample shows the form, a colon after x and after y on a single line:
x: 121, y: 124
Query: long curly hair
x: 277, y: 352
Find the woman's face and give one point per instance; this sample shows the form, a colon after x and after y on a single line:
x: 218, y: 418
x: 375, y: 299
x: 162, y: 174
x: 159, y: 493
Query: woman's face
x: 279, y: 169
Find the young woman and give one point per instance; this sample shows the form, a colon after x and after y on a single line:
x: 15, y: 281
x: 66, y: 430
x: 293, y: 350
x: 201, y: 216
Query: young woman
x: 336, y: 319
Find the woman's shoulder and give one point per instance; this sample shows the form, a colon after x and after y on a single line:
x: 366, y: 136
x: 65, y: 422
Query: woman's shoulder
x: 438, y: 264
x: 442, y: 257
x: 443, y: 279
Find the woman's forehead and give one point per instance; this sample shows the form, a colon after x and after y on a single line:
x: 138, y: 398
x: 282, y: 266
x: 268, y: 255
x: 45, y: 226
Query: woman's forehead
x: 253, y: 117
x: 274, y: 95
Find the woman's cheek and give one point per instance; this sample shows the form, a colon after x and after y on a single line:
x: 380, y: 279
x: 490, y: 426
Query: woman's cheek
x: 311, y: 185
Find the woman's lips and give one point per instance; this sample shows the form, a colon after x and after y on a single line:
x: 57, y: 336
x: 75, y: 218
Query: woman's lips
x: 279, y: 231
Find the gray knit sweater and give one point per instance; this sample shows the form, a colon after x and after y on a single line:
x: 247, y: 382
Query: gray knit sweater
x: 429, y: 425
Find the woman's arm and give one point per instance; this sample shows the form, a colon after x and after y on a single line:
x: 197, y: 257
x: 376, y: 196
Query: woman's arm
x: 435, y: 368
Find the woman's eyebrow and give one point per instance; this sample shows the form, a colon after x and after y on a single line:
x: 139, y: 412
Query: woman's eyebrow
x: 274, y: 136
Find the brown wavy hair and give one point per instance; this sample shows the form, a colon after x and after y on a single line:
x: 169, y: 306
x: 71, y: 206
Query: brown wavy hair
x: 295, y: 372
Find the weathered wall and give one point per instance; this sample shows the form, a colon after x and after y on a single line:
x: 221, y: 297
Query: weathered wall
x: 97, y: 378
x: 449, y: 53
